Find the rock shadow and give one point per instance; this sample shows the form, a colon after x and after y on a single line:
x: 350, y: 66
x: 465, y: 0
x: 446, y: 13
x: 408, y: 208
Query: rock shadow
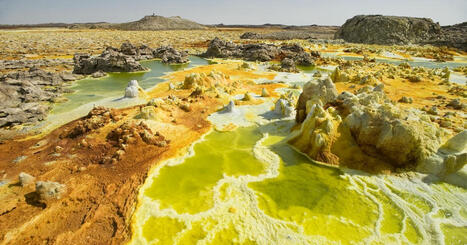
x: 32, y: 198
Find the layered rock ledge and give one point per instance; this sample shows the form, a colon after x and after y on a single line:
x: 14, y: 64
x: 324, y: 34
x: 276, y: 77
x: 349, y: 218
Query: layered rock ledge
x: 25, y: 95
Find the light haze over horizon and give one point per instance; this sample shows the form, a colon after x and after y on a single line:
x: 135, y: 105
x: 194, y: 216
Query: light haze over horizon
x: 292, y: 12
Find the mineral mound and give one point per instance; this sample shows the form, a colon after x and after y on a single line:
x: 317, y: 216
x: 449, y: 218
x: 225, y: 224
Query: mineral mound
x: 379, y: 29
x: 369, y: 132
x: 156, y: 22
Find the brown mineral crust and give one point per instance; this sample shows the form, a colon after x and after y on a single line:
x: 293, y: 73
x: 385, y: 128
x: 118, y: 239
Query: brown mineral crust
x: 101, y: 197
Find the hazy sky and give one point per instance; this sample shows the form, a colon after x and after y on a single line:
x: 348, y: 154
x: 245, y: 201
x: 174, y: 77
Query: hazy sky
x: 298, y: 12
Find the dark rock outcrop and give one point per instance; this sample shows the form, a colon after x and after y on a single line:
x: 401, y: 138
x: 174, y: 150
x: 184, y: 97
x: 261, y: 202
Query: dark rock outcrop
x: 251, y: 35
x: 170, y: 55
x: 21, y: 64
x: 379, y: 29
x: 257, y: 52
x: 288, y: 65
x: 452, y: 36
x: 142, y: 52
x: 111, y: 60
x: 24, y: 95
x: 295, y: 32
x: 125, y: 59
x: 280, y: 35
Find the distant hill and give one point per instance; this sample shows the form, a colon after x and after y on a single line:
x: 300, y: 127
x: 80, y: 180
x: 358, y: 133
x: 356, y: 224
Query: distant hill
x: 156, y: 22
x: 147, y: 23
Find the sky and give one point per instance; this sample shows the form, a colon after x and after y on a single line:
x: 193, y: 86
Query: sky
x: 291, y: 12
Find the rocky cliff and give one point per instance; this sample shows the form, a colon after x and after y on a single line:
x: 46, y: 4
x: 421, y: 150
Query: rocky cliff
x: 379, y: 29
x: 452, y: 36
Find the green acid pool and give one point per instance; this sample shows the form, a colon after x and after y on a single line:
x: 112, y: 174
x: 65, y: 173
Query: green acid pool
x: 108, y: 91
x: 249, y: 187
x: 113, y: 86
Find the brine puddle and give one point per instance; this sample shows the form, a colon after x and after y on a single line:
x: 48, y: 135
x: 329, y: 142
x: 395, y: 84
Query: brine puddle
x: 249, y: 187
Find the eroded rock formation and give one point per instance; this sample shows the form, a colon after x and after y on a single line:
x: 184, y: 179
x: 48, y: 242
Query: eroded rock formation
x: 98, y: 117
x: 367, y: 131
x: 111, y: 60
x: 258, y: 52
x: 321, y: 92
x: 24, y: 95
x: 125, y: 59
x: 170, y: 55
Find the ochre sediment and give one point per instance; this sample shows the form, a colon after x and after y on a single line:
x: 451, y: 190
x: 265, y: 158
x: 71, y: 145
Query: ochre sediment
x: 101, y: 193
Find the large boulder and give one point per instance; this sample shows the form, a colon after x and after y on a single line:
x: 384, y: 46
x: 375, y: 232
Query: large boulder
x: 49, y: 190
x: 125, y: 59
x: 25, y: 179
x: 111, y: 60
x: 222, y: 49
x: 142, y: 52
x: 379, y: 29
x: 170, y: 55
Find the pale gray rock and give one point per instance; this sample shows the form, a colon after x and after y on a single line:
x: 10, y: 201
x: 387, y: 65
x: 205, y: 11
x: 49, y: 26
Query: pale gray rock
x: 23, y: 95
x: 48, y: 190
x: 25, y: 179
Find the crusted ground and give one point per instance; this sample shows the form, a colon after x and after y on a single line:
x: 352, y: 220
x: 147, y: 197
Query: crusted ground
x: 103, y: 167
x: 103, y: 159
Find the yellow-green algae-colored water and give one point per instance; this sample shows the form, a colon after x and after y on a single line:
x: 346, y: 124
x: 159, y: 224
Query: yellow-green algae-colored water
x: 249, y: 187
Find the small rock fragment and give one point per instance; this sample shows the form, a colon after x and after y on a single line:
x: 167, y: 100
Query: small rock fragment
x: 405, y: 99
x: 25, y: 179
x: 48, y: 190
x: 456, y: 104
